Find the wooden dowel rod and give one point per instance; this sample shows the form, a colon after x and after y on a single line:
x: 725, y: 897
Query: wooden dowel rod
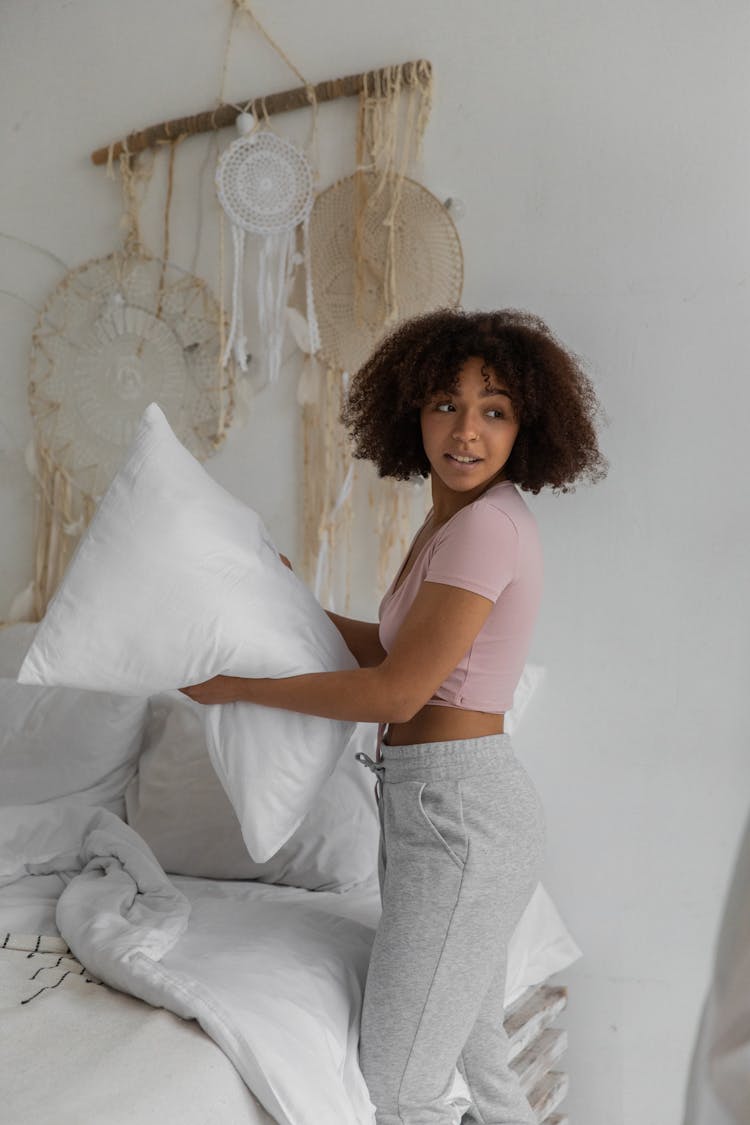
x: 413, y: 73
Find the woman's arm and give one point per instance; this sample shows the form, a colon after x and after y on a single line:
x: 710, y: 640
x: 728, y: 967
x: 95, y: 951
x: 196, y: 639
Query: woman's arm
x: 360, y: 637
x: 438, y: 630
x: 364, y: 695
x: 362, y: 640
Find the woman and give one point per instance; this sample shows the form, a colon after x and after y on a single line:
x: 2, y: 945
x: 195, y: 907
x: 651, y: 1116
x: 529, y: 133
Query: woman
x: 484, y: 404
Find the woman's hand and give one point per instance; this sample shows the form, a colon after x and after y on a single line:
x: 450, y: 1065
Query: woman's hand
x: 219, y: 689
x: 223, y: 689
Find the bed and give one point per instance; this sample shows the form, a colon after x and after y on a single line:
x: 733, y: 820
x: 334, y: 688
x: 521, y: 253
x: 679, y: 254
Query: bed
x: 95, y: 1054
x: 151, y: 971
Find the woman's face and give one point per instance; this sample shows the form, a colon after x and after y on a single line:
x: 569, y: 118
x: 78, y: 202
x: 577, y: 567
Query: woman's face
x: 478, y: 422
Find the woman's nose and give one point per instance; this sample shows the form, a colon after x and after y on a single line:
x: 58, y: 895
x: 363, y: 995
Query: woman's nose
x: 465, y: 428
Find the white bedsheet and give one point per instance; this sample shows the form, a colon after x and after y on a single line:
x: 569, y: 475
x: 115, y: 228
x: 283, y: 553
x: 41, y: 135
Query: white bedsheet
x: 75, y: 1051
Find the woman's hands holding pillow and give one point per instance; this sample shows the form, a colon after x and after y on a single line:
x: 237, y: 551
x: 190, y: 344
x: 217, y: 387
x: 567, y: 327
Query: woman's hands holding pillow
x: 219, y: 689
x: 222, y: 689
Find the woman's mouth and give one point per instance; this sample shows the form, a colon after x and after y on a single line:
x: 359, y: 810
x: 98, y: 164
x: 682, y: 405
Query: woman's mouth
x: 463, y: 462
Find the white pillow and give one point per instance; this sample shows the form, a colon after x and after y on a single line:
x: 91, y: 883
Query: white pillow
x: 176, y: 581
x: 176, y: 803
x: 56, y: 742
x: 178, y: 806
x: 531, y: 678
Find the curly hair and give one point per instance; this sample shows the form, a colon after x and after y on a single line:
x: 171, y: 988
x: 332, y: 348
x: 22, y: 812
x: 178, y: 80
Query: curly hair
x: 553, y: 399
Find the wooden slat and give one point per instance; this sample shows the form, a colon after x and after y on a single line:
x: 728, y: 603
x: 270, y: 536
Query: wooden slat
x: 535, y: 1046
x: 540, y: 1056
x: 532, y: 1012
x: 548, y: 1093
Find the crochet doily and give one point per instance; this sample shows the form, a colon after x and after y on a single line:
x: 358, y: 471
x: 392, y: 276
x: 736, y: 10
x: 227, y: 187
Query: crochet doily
x: 428, y: 264
x: 118, y: 333
x: 264, y: 183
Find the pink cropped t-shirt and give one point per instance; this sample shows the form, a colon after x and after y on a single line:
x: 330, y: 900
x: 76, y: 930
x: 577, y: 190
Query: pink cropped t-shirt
x: 491, y: 547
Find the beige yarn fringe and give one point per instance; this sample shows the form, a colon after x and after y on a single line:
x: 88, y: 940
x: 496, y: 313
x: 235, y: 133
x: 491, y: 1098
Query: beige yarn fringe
x: 392, y: 119
x: 62, y: 512
x: 391, y: 502
x: 327, y: 522
x: 393, y: 116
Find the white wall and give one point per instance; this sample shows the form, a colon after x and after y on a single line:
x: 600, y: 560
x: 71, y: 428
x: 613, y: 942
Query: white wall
x: 600, y: 152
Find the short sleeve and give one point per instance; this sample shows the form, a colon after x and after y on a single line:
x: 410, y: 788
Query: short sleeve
x: 478, y: 551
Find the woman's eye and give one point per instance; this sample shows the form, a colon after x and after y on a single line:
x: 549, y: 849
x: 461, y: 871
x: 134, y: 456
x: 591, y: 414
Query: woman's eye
x: 440, y: 405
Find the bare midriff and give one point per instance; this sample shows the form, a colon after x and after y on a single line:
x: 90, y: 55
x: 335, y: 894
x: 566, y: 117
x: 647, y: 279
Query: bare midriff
x: 443, y: 724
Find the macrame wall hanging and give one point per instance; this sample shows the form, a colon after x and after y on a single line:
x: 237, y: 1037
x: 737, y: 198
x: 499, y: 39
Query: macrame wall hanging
x: 427, y: 271
x: 383, y: 249
x: 399, y: 255
x: 117, y: 333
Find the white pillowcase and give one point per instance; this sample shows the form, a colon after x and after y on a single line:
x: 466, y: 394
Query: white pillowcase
x: 178, y: 806
x: 176, y: 803
x: 540, y: 946
x: 176, y: 581
x: 531, y: 677
x: 57, y: 742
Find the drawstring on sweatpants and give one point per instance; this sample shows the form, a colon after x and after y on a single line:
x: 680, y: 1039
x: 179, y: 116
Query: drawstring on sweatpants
x: 378, y: 768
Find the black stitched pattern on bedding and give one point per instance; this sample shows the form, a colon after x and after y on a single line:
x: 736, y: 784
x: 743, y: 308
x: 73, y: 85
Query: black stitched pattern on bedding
x: 56, y: 958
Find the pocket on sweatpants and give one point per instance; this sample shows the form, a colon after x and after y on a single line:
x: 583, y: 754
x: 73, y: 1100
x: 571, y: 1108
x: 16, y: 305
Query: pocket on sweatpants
x: 441, y: 805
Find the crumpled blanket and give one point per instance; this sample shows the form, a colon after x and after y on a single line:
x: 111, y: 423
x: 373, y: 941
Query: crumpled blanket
x: 275, y: 981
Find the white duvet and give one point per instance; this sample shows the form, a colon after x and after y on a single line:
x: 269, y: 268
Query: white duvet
x: 274, y: 975
x: 76, y: 1052
x: 275, y: 980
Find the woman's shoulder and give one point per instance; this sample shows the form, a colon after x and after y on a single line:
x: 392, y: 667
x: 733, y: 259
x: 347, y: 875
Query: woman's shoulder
x: 502, y: 503
x: 487, y: 523
x: 480, y: 547
x: 506, y: 497
x: 498, y: 524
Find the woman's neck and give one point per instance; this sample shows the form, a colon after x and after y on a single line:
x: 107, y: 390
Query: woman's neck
x: 445, y: 502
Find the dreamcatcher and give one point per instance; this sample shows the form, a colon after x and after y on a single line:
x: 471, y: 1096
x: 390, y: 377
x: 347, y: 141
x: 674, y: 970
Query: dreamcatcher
x: 383, y: 248
x: 428, y: 270
x: 265, y: 186
x: 117, y: 333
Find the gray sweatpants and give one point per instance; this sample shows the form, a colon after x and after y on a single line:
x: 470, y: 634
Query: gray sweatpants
x: 462, y: 837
